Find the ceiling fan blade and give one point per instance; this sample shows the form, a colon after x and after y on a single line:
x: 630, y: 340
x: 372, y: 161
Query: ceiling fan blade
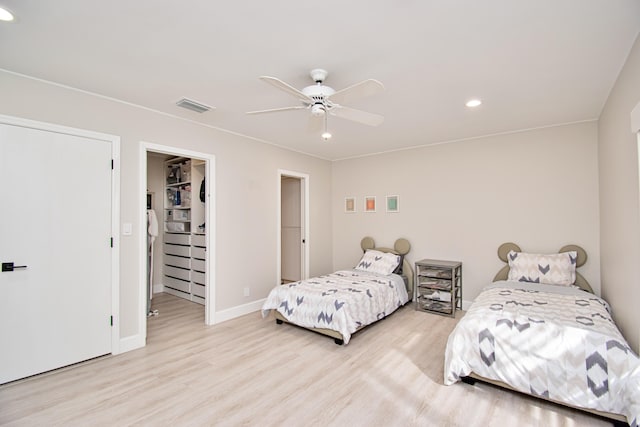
x: 286, y: 88
x: 359, y: 116
x: 274, y: 110
x: 357, y: 91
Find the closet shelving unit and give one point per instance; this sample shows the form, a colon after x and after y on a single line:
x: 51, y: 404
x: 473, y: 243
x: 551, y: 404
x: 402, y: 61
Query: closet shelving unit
x: 184, y: 233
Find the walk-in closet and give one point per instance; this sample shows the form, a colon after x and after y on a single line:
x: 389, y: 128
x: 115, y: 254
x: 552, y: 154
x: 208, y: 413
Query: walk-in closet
x: 177, y: 244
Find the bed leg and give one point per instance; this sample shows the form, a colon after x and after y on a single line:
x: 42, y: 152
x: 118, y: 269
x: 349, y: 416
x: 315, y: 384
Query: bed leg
x: 279, y: 322
x: 468, y: 380
x: 338, y: 341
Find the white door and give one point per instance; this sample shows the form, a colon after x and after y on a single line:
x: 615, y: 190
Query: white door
x: 55, y: 219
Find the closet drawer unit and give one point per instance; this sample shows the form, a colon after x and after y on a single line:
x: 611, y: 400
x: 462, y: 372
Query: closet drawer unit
x: 197, y: 290
x: 177, y: 250
x: 177, y: 273
x: 197, y: 252
x: 198, y: 240
x: 198, y: 264
x: 176, y: 261
x: 180, y: 285
x: 178, y: 239
x: 178, y: 215
x: 198, y: 277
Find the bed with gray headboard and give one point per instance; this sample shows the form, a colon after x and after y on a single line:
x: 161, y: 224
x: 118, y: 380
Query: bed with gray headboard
x: 343, y: 302
x: 540, y: 330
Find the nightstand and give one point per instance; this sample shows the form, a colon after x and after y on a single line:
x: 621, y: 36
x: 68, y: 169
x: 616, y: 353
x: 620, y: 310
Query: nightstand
x: 439, y: 286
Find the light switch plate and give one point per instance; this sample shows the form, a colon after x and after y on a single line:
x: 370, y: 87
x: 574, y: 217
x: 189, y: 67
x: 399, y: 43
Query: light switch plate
x: 127, y: 229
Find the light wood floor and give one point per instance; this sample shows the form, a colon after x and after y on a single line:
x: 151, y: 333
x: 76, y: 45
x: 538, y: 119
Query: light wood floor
x: 250, y: 371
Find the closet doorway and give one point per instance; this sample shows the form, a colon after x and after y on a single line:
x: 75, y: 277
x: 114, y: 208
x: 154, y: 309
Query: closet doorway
x: 293, y: 220
x: 178, y: 185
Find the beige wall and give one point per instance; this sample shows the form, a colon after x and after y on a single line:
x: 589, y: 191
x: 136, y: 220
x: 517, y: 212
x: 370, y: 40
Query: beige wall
x: 246, y: 187
x: 460, y: 201
x: 619, y: 200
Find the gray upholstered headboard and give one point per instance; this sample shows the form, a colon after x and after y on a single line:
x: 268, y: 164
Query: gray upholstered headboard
x: 581, y: 282
x: 400, y: 247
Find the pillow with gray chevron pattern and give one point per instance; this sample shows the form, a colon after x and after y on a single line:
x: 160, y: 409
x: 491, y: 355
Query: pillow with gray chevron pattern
x: 552, y: 269
x: 378, y: 262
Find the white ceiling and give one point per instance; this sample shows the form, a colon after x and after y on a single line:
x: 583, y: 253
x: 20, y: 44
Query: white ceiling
x: 533, y: 63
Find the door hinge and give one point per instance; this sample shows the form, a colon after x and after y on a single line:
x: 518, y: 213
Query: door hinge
x: 111, y: 320
x: 111, y: 242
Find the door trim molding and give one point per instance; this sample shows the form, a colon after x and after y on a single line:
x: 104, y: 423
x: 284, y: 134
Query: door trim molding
x: 115, y: 205
x: 210, y: 218
x: 304, y: 273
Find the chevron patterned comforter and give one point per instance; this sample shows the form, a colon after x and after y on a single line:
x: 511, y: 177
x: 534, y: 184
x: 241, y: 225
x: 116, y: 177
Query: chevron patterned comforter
x: 556, y: 342
x: 342, y: 301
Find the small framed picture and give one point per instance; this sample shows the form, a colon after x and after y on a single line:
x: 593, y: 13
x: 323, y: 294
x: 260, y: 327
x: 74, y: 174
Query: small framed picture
x: 349, y: 204
x: 393, y: 203
x: 370, y: 203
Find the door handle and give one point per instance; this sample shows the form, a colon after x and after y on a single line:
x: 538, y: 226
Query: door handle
x: 8, y: 266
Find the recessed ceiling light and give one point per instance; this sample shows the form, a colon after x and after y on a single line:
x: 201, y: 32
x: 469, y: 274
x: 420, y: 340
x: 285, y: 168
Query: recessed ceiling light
x: 473, y: 103
x: 5, y: 15
x: 326, y: 136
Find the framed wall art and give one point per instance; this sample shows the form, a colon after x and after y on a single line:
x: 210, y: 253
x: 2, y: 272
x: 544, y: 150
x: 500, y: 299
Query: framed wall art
x: 350, y: 204
x: 393, y: 203
x: 370, y: 203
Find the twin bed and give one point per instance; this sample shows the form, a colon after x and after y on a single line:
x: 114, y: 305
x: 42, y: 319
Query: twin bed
x: 341, y: 303
x: 538, y: 329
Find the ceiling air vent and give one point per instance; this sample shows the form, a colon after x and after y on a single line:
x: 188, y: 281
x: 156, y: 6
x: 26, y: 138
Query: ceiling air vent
x: 192, y: 105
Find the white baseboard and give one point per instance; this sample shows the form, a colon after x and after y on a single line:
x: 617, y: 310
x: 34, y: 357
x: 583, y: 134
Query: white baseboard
x: 157, y: 288
x: 240, y: 310
x: 466, y: 304
x: 131, y: 342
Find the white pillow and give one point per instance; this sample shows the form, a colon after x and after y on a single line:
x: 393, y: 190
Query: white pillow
x: 378, y: 262
x: 552, y: 269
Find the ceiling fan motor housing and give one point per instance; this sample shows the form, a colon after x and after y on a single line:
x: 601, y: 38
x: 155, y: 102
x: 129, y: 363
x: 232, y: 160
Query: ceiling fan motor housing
x: 318, y: 92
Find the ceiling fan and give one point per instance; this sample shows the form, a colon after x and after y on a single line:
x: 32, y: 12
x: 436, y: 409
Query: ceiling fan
x: 322, y: 100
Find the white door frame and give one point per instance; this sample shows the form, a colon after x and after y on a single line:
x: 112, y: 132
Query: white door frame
x: 210, y: 209
x: 304, y: 200
x: 115, y: 206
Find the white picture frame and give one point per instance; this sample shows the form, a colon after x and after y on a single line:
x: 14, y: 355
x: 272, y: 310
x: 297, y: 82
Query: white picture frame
x: 369, y: 203
x: 393, y: 203
x: 350, y: 204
